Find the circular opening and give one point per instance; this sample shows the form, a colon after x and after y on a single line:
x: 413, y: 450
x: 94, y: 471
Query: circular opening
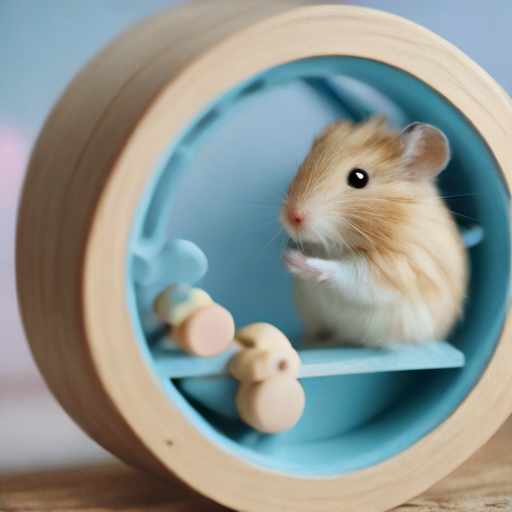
x: 219, y: 185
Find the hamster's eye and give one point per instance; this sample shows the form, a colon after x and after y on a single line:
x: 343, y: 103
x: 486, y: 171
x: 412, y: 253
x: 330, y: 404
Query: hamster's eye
x: 358, y: 178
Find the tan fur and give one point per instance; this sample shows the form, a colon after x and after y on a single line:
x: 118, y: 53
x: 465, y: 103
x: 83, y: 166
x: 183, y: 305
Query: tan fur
x: 394, y: 240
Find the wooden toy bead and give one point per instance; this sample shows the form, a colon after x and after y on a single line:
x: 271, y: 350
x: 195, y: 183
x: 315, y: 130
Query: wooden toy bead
x: 254, y: 365
x: 178, y: 302
x: 207, y: 332
x: 267, y: 353
x: 198, y: 325
x: 271, y: 406
x: 269, y: 399
x: 262, y: 335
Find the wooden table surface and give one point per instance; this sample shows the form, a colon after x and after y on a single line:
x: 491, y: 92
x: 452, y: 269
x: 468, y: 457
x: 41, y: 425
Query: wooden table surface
x: 483, y: 483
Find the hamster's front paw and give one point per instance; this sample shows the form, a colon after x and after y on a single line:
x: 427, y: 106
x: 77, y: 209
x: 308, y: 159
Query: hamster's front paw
x: 300, y: 265
x: 297, y: 264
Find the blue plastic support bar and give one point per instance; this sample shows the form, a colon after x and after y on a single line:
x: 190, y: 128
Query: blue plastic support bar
x: 323, y: 362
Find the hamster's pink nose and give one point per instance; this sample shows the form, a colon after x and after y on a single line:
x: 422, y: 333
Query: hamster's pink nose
x: 296, y: 216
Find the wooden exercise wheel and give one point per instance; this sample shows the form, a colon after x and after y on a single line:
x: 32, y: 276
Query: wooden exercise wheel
x: 155, y: 142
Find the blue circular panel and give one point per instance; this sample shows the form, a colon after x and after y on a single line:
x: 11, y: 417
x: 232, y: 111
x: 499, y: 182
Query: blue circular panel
x: 220, y: 184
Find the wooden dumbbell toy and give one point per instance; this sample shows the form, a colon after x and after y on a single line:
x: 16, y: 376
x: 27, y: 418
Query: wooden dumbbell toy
x: 199, y: 326
x: 270, y: 398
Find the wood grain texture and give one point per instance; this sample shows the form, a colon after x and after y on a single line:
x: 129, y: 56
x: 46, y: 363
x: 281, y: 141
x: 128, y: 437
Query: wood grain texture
x: 103, y: 488
x: 482, y: 484
x: 87, y: 171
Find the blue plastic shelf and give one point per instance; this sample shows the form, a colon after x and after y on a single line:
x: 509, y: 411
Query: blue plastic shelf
x: 323, y: 362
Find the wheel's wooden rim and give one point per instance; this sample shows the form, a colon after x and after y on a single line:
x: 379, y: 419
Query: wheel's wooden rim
x: 75, y: 309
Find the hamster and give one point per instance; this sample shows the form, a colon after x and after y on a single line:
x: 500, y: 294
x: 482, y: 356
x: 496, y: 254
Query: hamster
x: 379, y: 259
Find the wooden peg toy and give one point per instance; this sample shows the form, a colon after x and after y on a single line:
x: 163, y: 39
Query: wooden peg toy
x: 267, y: 352
x: 199, y: 326
x: 273, y: 405
x: 270, y: 399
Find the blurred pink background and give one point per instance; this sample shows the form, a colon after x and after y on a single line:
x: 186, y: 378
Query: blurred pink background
x: 14, y: 148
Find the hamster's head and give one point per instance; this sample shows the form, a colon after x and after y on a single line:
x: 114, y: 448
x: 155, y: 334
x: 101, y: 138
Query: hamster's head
x: 358, y: 183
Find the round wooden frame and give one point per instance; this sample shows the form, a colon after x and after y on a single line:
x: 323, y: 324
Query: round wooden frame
x: 85, y: 177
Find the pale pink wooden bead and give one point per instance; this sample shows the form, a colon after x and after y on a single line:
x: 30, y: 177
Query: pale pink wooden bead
x: 271, y: 406
x: 207, y: 332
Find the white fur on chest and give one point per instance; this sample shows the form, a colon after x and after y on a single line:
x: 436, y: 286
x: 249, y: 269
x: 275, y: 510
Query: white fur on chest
x: 358, y: 309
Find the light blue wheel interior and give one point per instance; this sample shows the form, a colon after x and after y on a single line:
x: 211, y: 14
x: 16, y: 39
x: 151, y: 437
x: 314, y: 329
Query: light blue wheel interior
x: 219, y: 185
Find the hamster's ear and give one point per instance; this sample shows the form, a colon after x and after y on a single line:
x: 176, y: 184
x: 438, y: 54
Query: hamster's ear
x: 426, y: 151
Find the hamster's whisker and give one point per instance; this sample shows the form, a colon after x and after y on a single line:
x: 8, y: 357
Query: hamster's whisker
x: 445, y: 197
x: 467, y: 298
x: 292, y: 150
x: 262, y: 218
x: 260, y: 169
x: 259, y: 215
x: 369, y: 217
x: 458, y: 195
x: 386, y: 199
x: 300, y: 244
x: 371, y: 235
x: 264, y: 203
x: 356, y: 229
x: 263, y: 250
x: 283, y: 247
x: 273, y: 196
x: 252, y: 229
x: 274, y: 216
x: 330, y: 250
x: 336, y: 237
x: 347, y: 246
x: 366, y: 212
x: 268, y: 177
x: 262, y: 190
x: 464, y: 216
